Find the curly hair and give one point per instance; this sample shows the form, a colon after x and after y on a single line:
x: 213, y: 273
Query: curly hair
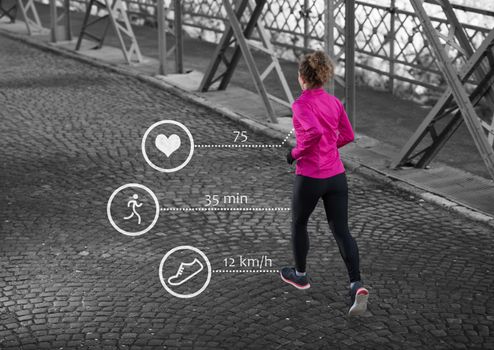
x: 316, y: 69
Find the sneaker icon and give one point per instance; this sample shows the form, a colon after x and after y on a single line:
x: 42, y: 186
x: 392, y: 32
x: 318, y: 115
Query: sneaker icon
x: 190, y: 269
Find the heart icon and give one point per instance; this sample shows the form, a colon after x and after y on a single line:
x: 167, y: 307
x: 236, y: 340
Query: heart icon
x: 167, y: 145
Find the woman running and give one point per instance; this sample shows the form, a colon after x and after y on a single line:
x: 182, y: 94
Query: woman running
x: 321, y: 127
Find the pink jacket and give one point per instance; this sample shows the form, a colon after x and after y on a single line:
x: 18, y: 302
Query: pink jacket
x: 321, y: 127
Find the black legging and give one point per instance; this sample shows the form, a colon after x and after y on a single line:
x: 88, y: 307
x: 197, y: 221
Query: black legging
x: 334, y: 192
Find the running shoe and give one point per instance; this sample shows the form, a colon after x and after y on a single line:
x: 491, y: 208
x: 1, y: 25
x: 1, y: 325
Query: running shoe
x: 185, y: 272
x: 289, y: 276
x: 359, y: 296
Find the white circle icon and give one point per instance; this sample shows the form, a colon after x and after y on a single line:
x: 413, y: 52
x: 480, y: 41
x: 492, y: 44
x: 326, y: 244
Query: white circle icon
x: 167, y: 145
x: 193, y: 267
x: 134, y: 206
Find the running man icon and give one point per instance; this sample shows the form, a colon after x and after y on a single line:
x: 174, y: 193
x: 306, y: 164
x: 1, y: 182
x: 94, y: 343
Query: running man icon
x: 134, y: 204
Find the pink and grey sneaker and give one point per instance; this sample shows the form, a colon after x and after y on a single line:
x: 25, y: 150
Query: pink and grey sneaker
x: 289, y: 276
x: 359, y: 296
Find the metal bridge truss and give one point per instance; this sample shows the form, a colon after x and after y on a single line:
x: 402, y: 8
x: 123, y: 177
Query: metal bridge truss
x: 28, y: 12
x: 241, y: 36
x: 117, y: 17
x: 467, y: 89
x: 9, y: 12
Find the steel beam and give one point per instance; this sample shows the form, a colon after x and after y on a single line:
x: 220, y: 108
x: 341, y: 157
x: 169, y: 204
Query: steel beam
x: 330, y: 25
x: 117, y: 17
x: 30, y: 16
x: 162, y: 26
x: 86, y: 25
x: 444, y: 108
x: 350, y: 91
x: 246, y: 33
x: 249, y: 59
x: 392, y: 40
x: 448, y: 131
x: 9, y: 12
x: 456, y: 89
x: 219, y: 55
x: 240, y: 35
x: 179, y: 41
x: 125, y: 34
x: 163, y: 30
x: 60, y: 23
x: 329, y: 40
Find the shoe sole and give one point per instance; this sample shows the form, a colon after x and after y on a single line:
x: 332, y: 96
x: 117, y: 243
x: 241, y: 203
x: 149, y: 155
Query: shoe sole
x: 360, y: 304
x: 298, y: 286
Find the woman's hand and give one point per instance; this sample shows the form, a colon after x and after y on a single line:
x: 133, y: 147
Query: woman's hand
x: 289, y: 157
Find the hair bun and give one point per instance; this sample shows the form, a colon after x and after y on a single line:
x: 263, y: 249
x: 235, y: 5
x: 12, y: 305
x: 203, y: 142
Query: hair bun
x: 316, y: 68
x: 317, y: 59
x: 313, y: 61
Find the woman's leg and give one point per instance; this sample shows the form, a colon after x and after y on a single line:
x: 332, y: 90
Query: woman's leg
x: 306, y: 194
x: 336, y: 207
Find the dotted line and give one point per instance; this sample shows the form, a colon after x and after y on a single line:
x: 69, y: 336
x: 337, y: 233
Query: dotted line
x: 225, y: 209
x: 287, y: 137
x: 247, y: 146
x: 237, y: 146
x: 245, y: 271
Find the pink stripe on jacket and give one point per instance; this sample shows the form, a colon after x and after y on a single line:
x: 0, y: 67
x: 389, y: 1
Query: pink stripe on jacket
x: 321, y: 127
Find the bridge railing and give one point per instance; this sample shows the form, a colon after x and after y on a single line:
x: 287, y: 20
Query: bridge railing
x: 390, y: 51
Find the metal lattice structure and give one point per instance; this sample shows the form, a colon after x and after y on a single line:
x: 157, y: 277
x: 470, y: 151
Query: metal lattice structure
x: 117, y: 17
x: 458, y: 103
x: 240, y: 36
x: 389, y: 47
x: 87, y: 24
x: 29, y: 16
x: 388, y: 41
x: 9, y: 12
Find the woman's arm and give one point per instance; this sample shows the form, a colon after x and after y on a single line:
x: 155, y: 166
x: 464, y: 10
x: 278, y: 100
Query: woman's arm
x: 345, y: 131
x: 308, y: 130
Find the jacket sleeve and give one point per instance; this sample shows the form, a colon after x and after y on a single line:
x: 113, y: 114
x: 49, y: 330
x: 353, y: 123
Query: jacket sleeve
x: 308, y: 129
x: 345, y: 131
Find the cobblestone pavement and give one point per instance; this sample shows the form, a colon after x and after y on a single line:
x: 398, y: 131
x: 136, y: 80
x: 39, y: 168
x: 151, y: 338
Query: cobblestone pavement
x: 70, y: 134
